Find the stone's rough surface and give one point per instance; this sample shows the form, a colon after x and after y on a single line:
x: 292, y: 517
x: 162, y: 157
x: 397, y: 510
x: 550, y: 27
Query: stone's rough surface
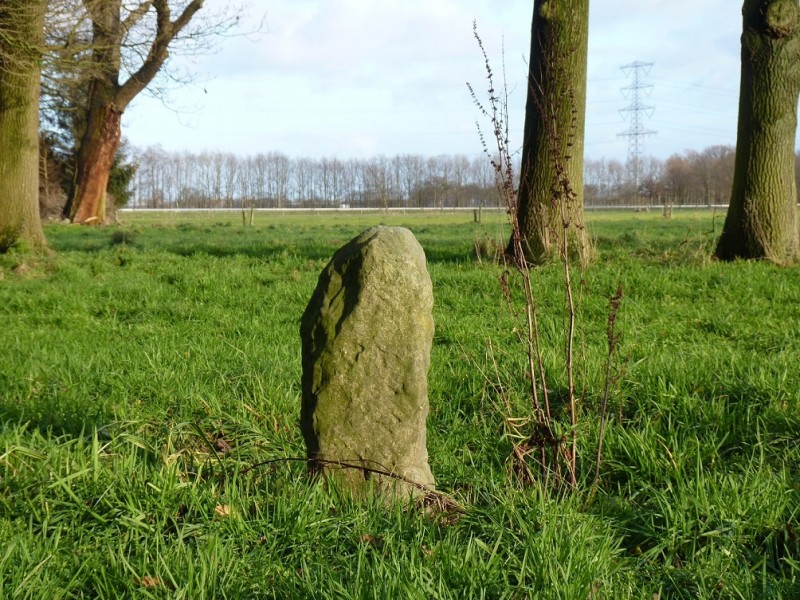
x: 366, y: 336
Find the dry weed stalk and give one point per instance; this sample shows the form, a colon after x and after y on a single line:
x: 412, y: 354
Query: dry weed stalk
x: 610, y: 381
x: 543, y: 443
x: 539, y: 438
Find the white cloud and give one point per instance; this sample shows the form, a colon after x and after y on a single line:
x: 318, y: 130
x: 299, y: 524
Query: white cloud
x: 356, y: 77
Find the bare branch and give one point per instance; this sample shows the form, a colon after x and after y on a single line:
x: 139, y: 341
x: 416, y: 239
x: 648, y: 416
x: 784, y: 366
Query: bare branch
x: 136, y: 15
x: 166, y: 30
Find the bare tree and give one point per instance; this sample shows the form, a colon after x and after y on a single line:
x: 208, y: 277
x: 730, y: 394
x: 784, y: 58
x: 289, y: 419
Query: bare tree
x: 377, y: 182
x: 304, y: 169
x: 460, y: 173
x: 412, y: 174
x: 130, y: 44
x: 722, y: 160
x: 280, y: 178
x: 677, y: 179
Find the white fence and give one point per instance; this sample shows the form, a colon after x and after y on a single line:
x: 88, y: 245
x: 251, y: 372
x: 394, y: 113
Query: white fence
x: 403, y: 210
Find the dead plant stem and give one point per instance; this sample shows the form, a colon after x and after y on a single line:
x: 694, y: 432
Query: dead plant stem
x: 573, y: 458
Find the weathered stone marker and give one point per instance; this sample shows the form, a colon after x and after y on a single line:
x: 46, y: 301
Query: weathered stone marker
x: 366, y: 336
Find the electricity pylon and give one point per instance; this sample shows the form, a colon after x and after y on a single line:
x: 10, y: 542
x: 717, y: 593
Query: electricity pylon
x: 634, y: 114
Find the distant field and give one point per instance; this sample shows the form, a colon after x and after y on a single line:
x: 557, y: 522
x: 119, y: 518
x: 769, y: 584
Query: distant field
x: 131, y: 354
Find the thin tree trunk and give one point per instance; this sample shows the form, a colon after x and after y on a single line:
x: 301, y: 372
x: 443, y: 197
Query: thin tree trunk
x: 762, y: 217
x: 554, y: 130
x: 20, y: 51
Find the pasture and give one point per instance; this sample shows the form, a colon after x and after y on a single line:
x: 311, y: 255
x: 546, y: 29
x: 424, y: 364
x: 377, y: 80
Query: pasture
x: 149, y: 388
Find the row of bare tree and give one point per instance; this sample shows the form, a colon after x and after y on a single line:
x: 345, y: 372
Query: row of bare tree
x: 689, y: 178
x: 273, y: 180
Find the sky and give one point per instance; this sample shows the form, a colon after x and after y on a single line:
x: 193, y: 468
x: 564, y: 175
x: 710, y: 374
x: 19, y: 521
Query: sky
x: 359, y: 78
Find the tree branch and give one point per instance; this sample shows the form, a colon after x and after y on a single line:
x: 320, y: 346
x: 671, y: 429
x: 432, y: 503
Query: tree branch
x: 166, y: 30
x: 91, y: 9
x: 136, y: 15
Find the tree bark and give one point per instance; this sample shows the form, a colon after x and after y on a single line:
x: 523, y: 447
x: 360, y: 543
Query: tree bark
x: 550, y: 199
x: 95, y: 159
x: 109, y: 97
x: 762, y: 218
x: 21, y: 26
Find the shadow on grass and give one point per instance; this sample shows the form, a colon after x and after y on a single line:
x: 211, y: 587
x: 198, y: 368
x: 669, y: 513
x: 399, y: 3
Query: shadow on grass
x: 187, y: 248
x: 262, y: 252
x: 56, y: 417
x: 49, y: 406
x: 451, y: 256
x: 222, y: 243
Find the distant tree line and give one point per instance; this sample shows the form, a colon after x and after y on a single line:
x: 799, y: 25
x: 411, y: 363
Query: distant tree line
x: 690, y: 178
x: 273, y: 180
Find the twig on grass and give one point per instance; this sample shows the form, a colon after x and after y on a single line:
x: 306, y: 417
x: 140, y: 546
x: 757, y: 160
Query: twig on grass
x: 430, y: 497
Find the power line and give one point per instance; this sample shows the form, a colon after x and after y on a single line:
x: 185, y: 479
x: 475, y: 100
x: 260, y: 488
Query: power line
x: 700, y: 109
x: 696, y: 87
x: 635, y: 113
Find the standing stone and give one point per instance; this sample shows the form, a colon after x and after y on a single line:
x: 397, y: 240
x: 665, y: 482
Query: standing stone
x: 366, y: 336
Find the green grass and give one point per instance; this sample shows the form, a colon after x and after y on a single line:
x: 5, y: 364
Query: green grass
x: 144, y: 368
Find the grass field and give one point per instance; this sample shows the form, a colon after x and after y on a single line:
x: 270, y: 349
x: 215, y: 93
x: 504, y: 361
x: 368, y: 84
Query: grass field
x: 144, y: 368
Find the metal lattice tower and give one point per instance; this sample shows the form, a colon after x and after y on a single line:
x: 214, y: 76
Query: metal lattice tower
x: 635, y: 113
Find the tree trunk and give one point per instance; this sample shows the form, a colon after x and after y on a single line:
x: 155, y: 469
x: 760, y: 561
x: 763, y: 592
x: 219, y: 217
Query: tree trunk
x: 95, y: 158
x: 550, y: 203
x: 109, y: 97
x: 762, y: 218
x: 100, y: 139
x: 21, y: 22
